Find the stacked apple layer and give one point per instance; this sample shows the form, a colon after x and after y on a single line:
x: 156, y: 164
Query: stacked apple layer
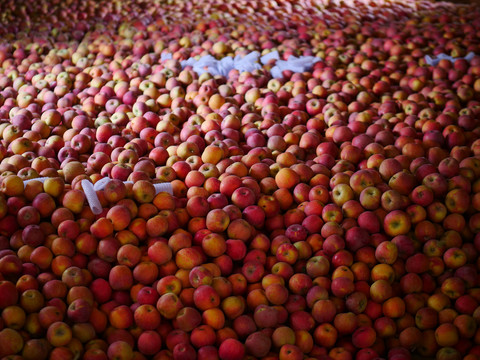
x: 239, y: 180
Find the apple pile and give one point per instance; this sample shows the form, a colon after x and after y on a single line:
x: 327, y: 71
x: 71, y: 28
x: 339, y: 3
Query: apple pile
x: 326, y: 214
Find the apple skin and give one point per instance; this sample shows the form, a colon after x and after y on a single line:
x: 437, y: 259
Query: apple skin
x: 231, y: 349
x: 149, y: 342
x: 396, y: 223
x: 386, y: 252
x: 258, y: 344
x: 187, y: 318
x: 10, y: 294
x: 243, y: 197
x: 147, y: 317
x: 160, y: 253
x: 324, y: 311
x: 342, y: 286
x: 119, y: 348
x: 184, y: 351
x: 217, y: 220
x: 12, y: 342
x: 457, y: 201
x: 356, y: 302
x: 345, y: 323
x: 317, y: 266
x: 370, y: 198
x: 263, y: 316
x: 356, y: 238
x: 364, y: 337
x: 205, y: 297
x: 79, y: 311
x: 59, y: 334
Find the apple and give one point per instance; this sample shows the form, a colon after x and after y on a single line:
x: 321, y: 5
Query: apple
x: 59, y: 334
x: 12, y: 342
x: 119, y: 348
x: 328, y: 210
x: 258, y: 344
x: 356, y: 238
x: 396, y: 223
x: 446, y: 335
x: 187, y: 318
x: 79, y: 311
x: 325, y: 335
x: 231, y: 349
